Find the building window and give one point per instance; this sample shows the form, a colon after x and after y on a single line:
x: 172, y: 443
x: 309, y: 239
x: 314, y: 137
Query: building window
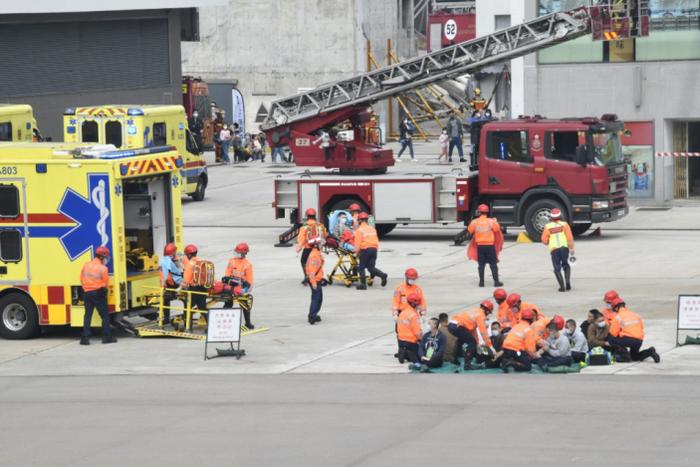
x: 6, y: 131
x: 511, y: 146
x: 113, y: 133
x: 160, y: 134
x: 9, y: 201
x: 90, y: 133
x: 562, y: 145
x: 638, y: 152
x: 10, y: 246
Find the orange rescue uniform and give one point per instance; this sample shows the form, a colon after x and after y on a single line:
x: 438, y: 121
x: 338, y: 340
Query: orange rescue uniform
x: 471, y: 320
x: 523, y: 306
x: 609, y: 315
x: 408, y: 326
x: 505, y: 315
x: 521, y: 339
x: 540, y: 327
x: 484, y: 230
x: 314, y: 267
x: 400, y: 300
x: 240, y: 269
x: 190, y: 264
x: 94, y: 275
x: 627, y: 324
x: 305, y: 233
x: 366, y: 237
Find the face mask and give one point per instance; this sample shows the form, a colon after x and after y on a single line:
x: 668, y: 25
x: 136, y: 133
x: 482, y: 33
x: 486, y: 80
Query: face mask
x: 601, y: 324
x: 195, y: 115
x: 240, y: 255
x: 569, y: 332
x: 105, y: 261
x: 410, y: 281
x: 494, y: 333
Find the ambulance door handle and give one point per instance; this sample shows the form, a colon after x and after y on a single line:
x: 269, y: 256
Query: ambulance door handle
x: 494, y: 181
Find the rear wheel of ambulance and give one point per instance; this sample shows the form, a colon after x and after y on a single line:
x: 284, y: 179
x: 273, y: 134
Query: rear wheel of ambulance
x: 198, y: 194
x: 18, y: 317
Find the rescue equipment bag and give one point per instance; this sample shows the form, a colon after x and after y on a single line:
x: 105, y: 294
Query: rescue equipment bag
x: 598, y: 356
x: 203, y: 274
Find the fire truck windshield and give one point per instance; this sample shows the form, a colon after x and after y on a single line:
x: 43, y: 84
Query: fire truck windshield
x: 606, y: 148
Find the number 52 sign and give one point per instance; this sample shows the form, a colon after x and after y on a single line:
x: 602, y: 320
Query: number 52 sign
x: 450, y: 29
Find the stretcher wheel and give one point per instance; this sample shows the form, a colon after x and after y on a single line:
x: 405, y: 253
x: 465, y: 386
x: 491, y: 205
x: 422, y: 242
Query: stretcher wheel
x: 370, y: 282
x: 348, y: 283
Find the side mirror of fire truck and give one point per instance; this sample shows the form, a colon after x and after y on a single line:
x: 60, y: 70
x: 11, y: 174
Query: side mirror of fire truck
x: 581, y: 157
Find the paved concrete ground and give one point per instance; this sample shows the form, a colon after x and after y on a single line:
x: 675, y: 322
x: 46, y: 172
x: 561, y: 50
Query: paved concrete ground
x: 156, y: 402
x: 350, y: 420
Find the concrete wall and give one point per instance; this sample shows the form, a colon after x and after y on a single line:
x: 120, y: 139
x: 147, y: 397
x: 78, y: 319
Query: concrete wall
x: 486, y: 12
x: 273, y: 48
x: 48, y: 109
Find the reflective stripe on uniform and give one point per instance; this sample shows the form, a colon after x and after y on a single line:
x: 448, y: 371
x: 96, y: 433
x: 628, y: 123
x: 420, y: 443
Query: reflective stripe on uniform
x: 557, y: 236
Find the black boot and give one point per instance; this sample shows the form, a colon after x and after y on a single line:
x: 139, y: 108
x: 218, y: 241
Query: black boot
x: 363, y: 282
x: 384, y: 278
x: 567, y: 274
x: 84, y: 340
x: 481, y: 276
x: 246, y: 316
x: 494, y: 273
x: 560, y: 280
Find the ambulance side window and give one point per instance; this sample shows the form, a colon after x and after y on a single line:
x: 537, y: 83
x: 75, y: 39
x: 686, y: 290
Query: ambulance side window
x: 9, y: 201
x: 6, y: 131
x: 160, y: 134
x: 90, y: 132
x: 113, y: 133
x: 10, y: 246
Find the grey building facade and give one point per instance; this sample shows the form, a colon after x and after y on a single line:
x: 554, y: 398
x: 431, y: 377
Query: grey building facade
x: 57, y: 59
x: 650, y: 82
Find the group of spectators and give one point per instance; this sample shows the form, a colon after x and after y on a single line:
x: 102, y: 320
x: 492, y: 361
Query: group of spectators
x: 520, y: 335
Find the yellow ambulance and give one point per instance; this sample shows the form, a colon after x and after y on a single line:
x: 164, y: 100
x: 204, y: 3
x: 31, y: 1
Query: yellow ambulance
x: 58, y: 203
x: 140, y: 126
x: 17, y: 123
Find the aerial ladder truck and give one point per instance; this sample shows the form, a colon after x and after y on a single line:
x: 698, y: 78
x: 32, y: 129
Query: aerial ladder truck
x: 525, y: 167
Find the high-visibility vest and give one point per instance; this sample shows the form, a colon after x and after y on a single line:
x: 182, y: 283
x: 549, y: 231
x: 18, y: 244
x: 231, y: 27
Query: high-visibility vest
x: 240, y: 269
x: 520, y: 338
x: 557, y: 235
x: 94, y: 275
x: 471, y: 320
x: 483, y: 229
x: 314, y: 266
x: 408, y: 328
x: 400, y: 298
x: 627, y: 324
x: 366, y: 237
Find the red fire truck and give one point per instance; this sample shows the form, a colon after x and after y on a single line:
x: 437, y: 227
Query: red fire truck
x: 525, y: 168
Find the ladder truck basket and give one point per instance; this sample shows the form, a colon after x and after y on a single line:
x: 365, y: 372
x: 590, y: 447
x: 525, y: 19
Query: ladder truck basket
x: 619, y: 19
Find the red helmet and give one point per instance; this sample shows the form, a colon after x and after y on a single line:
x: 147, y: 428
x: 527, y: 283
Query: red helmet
x: 500, y: 294
x: 311, y: 212
x: 413, y: 299
x: 191, y: 249
x: 170, y: 249
x: 617, y: 302
x: 555, y: 213
x: 527, y: 313
x: 346, y: 236
x: 559, y: 321
x: 610, y: 295
x: 487, y: 305
x: 363, y: 216
x: 102, y: 251
x: 242, y: 248
x: 411, y: 274
x: 483, y: 208
x: 354, y: 207
x: 513, y: 299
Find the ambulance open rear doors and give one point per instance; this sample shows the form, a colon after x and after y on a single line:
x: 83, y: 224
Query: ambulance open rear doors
x: 14, y: 247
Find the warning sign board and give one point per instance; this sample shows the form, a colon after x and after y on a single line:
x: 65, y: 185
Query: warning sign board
x: 688, y: 313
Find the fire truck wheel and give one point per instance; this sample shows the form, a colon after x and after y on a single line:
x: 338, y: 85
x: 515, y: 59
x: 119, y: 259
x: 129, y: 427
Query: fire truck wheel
x: 18, y: 317
x: 198, y: 194
x: 580, y: 229
x: 537, y: 216
x: 384, y: 229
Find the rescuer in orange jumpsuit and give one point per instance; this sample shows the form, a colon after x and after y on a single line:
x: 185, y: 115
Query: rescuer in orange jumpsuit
x: 504, y: 315
x: 239, y: 272
x: 464, y: 327
x: 486, y: 244
x: 94, y: 278
x: 314, y: 274
x: 366, y: 244
x: 409, y: 330
x: 627, y: 330
x: 311, y: 229
x: 520, y: 345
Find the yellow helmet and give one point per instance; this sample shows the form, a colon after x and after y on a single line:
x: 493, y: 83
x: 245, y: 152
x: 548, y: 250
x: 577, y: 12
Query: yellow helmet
x: 477, y: 91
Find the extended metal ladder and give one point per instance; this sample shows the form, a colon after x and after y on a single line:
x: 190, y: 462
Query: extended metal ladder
x: 451, y: 61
